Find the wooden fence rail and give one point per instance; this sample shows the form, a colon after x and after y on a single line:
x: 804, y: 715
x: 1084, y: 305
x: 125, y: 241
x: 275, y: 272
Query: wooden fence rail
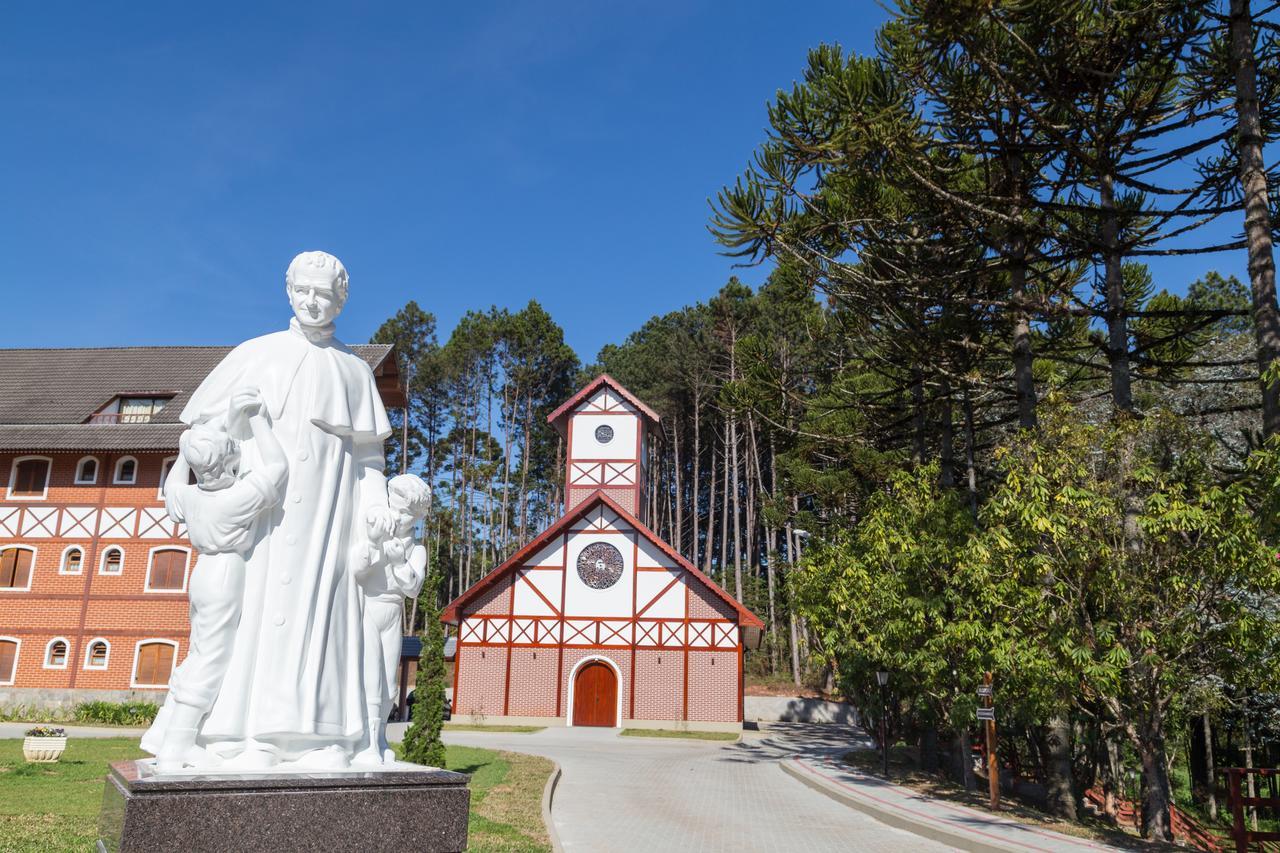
x: 1240, y: 833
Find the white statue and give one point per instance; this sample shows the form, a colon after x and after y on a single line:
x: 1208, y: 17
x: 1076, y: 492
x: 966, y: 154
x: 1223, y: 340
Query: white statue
x: 221, y: 511
x: 293, y: 695
x: 394, y: 567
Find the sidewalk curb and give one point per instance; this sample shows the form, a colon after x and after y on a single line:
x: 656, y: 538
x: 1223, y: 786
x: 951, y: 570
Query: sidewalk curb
x: 548, y: 796
x: 942, y: 835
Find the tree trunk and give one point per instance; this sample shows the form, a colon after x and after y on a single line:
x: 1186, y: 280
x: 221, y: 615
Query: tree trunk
x: 1111, y: 784
x: 1156, y: 821
x: 709, y: 539
x: 1117, y: 317
x: 1061, y: 799
x: 1211, y: 781
x: 1249, y: 785
x: 946, y: 437
x: 970, y: 466
x: 918, y: 419
x: 677, y: 531
x: 964, y: 758
x: 724, y: 512
x: 697, y: 476
x: 737, y: 517
x: 1257, y: 212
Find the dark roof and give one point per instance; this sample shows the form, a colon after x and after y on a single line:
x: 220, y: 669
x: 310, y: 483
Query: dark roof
x: 453, y: 610
x: 560, y: 416
x: 47, y: 395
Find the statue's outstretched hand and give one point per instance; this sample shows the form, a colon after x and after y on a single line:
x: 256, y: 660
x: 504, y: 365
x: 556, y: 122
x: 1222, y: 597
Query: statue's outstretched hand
x: 382, y: 523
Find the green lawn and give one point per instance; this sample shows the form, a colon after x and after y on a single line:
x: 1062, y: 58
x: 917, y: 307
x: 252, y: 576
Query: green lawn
x: 688, y: 734
x: 469, y: 727
x: 54, y: 807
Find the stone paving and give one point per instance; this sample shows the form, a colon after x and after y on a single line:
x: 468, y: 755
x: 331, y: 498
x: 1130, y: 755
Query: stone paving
x: 649, y: 794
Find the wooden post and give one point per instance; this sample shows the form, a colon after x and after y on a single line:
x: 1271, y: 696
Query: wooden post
x: 1238, y: 832
x: 993, y: 765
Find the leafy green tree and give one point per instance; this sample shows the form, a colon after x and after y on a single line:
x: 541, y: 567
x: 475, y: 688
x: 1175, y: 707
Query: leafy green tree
x: 422, y: 744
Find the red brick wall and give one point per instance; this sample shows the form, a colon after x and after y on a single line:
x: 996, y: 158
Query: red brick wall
x: 713, y: 688
x: 659, y: 685
x: 704, y: 604
x: 493, y: 601
x: 482, y: 675
x: 533, y: 682
x: 83, y: 607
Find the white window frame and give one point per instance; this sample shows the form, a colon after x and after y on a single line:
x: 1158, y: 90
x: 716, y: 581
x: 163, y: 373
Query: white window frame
x: 17, y: 658
x: 115, y: 479
x: 97, y: 469
x: 102, y: 561
x: 165, y: 465
x: 48, y: 650
x: 62, y: 561
x: 31, y: 575
x: 186, y: 569
x: 88, y: 654
x: 137, y: 648
x: 13, y: 477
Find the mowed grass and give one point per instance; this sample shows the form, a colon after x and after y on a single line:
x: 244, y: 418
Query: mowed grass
x: 687, y: 734
x: 480, y: 727
x: 54, y: 807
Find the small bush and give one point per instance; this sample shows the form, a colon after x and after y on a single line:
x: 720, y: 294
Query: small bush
x: 46, y: 731
x: 117, y: 713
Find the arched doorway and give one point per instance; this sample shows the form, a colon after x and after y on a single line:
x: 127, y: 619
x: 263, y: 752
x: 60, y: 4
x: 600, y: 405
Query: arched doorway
x: 595, y: 695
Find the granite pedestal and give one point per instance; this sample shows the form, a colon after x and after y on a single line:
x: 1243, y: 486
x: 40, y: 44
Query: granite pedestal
x: 406, y: 807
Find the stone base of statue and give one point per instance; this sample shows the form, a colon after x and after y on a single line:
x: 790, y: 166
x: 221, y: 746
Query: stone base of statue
x: 403, y: 807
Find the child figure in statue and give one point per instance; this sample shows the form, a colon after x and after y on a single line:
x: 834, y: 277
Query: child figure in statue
x: 221, y: 512
x: 394, y: 568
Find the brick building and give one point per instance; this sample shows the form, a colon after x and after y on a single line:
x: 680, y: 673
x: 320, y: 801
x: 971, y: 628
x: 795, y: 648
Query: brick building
x: 597, y: 621
x: 93, y: 574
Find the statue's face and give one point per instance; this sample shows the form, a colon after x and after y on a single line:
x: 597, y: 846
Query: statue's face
x: 315, y: 301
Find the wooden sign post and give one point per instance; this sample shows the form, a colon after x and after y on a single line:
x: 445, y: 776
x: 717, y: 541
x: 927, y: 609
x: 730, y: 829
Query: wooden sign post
x: 987, y: 714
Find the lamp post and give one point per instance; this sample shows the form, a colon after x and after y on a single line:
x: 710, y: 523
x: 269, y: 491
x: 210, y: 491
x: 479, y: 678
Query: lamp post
x: 882, y: 678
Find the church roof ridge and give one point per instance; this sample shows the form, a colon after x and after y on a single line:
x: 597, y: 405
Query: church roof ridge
x: 561, y: 414
x: 452, y: 611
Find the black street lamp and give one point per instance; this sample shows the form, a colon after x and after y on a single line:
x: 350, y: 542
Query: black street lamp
x: 882, y: 678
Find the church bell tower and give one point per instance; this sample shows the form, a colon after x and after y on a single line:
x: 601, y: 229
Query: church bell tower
x: 605, y: 428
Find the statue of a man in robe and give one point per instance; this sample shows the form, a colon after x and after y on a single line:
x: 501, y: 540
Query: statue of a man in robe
x: 293, y: 692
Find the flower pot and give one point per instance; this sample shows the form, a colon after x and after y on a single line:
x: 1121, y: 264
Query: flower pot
x: 43, y: 750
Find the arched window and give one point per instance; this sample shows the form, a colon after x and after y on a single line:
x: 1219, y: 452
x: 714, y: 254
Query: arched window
x: 72, y: 561
x: 112, y: 561
x: 15, y: 567
x: 165, y: 468
x: 29, y: 478
x: 126, y: 471
x: 96, y: 655
x: 55, y: 654
x: 153, y: 663
x: 168, y: 570
x: 87, y: 471
x: 8, y: 660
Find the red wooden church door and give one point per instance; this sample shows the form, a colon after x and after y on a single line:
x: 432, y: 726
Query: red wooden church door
x: 595, y: 696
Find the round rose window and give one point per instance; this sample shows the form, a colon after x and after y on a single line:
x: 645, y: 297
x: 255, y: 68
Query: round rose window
x: 604, y: 434
x: 600, y: 565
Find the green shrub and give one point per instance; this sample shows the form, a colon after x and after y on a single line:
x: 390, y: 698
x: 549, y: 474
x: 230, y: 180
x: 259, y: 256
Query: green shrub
x: 117, y: 713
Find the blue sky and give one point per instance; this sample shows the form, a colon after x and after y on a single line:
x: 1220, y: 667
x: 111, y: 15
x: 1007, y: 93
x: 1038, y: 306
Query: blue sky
x: 163, y: 162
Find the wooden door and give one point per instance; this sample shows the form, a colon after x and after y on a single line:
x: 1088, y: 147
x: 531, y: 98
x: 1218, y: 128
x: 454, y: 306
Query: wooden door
x: 595, y: 696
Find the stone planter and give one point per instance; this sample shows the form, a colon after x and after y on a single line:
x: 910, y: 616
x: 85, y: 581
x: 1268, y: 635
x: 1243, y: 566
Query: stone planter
x: 43, y: 750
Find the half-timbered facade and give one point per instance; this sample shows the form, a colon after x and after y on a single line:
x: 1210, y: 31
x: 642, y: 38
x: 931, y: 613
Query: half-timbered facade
x: 598, y: 621
x: 93, y: 573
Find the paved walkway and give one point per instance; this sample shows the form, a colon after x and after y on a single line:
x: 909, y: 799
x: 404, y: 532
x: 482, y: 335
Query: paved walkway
x: 937, y: 819
x: 12, y: 730
x: 649, y: 794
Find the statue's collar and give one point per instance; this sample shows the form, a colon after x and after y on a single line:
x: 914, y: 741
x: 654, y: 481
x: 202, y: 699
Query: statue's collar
x: 315, y: 334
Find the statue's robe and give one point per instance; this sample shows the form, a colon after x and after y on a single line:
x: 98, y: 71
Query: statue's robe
x: 294, y: 680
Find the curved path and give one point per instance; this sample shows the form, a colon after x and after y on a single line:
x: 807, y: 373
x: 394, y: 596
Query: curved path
x: 651, y: 794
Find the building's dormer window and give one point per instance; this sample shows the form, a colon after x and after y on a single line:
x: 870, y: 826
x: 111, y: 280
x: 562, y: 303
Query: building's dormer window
x: 126, y: 471
x: 87, y: 471
x: 130, y: 410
